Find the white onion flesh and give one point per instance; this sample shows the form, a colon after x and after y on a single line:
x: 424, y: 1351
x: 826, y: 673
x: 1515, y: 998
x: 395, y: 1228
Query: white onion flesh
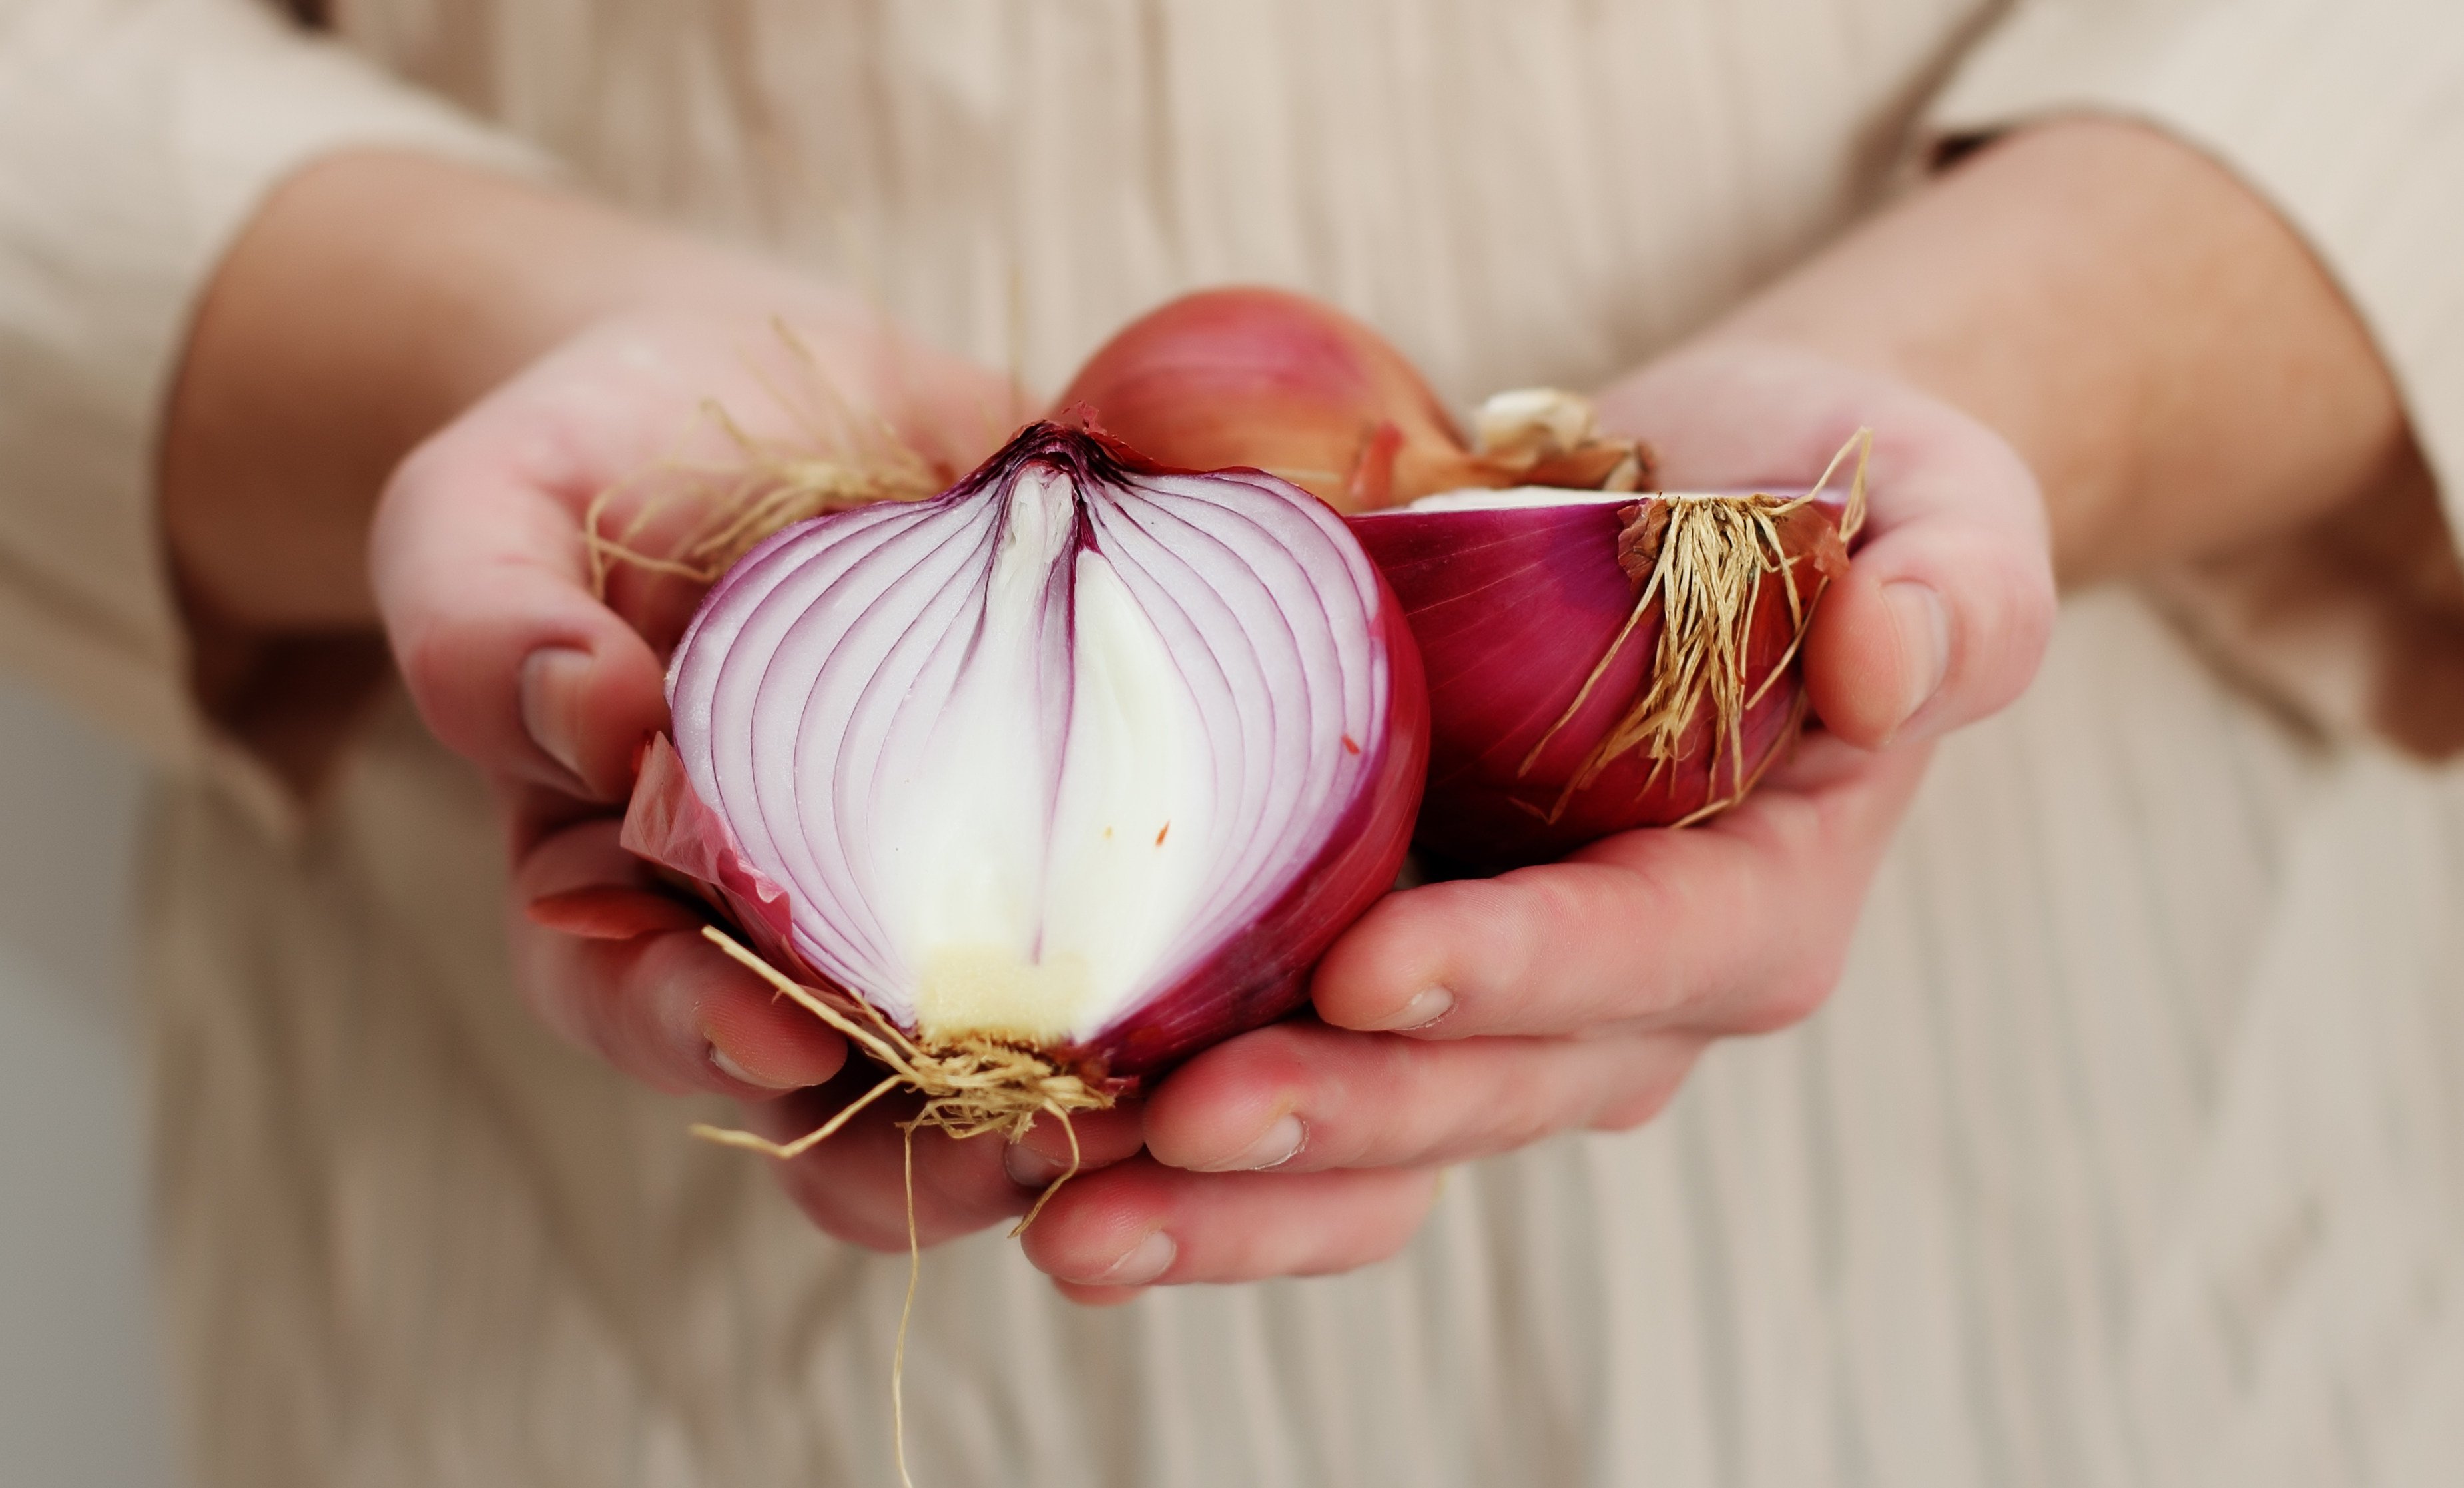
x: 1484, y: 498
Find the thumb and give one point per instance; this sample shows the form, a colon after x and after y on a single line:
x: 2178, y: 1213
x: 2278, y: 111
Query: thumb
x: 1943, y: 614
x: 510, y: 658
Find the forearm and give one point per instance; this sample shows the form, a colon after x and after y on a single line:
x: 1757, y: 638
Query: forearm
x: 373, y: 298
x: 2158, y: 345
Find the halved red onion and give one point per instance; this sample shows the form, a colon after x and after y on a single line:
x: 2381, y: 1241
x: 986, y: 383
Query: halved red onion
x: 1083, y: 755
x: 1559, y: 710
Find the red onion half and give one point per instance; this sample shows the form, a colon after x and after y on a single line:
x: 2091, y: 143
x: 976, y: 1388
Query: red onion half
x: 1564, y: 706
x: 1083, y: 756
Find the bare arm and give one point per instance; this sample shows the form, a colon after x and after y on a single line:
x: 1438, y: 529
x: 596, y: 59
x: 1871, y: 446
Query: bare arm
x: 372, y: 299
x: 2156, y: 343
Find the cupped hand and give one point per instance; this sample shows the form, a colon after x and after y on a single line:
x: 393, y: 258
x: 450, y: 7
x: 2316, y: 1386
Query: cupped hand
x: 516, y: 660
x: 1472, y: 1017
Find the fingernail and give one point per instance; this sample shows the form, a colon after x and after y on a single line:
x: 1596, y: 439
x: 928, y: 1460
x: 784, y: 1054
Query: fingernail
x: 1145, y: 1261
x: 1029, y: 1169
x: 552, y: 677
x: 1278, y: 1145
x: 1924, y: 638
x: 1424, y: 1008
x: 725, y: 1063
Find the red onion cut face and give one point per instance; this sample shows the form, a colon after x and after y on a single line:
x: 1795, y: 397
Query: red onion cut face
x: 1082, y: 756
x: 1598, y: 661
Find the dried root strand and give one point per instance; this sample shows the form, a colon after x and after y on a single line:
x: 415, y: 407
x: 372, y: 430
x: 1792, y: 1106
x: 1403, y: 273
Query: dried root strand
x: 971, y: 1088
x: 839, y: 457
x: 1703, y: 559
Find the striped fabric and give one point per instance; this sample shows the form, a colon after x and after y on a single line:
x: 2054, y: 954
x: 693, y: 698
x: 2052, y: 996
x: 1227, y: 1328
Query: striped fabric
x: 2127, y: 1154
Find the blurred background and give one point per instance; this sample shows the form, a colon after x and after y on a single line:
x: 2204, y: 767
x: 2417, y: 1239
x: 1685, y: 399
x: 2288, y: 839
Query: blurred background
x: 82, y: 1403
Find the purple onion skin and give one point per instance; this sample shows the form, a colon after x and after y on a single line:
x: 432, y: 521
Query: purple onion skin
x: 1512, y: 609
x: 1254, y: 977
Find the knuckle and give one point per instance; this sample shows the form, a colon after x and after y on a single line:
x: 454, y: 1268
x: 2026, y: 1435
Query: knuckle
x: 830, y: 1212
x: 1388, y: 1246
x: 427, y: 662
x: 443, y: 658
x: 1651, y: 1080
x: 542, y: 979
x: 1443, y: 1126
x: 1630, y: 1109
x: 2011, y: 623
x: 1381, y: 1237
x: 2024, y: 586
x: 1534, y: 1109
x: 1789, y: 998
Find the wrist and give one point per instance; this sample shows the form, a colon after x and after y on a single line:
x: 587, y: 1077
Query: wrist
x: 2145, y: 331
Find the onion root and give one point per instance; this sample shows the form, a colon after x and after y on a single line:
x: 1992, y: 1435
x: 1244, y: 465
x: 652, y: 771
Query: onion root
x: 1702, y: 560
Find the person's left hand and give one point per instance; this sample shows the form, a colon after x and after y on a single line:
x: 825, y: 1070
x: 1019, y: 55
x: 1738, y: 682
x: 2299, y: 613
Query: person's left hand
x: 552, y: 685
x: 1472, y: 1017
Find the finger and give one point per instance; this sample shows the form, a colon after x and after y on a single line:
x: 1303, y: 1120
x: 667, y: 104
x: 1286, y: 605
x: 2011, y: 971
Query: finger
x: 1098, y: 1295
x: 1943, y: 614
x: 1084, y: 1141
x: 664, y: 1007
x: 604, y: 912
x: 1304, y: 1097
x: 854, y: 1182
x: 1736, y: 926
x: 1140, y: 1224
x: 854, y: 1185
x: 477, y: 561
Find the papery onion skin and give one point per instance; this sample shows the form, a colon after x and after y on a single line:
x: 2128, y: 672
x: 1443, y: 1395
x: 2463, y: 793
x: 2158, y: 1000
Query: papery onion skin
x: 667, y: 824
x: 1275, y: 381
x: 1251, y: 376
x: 1254, y: 976
x: 1513, y: 609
